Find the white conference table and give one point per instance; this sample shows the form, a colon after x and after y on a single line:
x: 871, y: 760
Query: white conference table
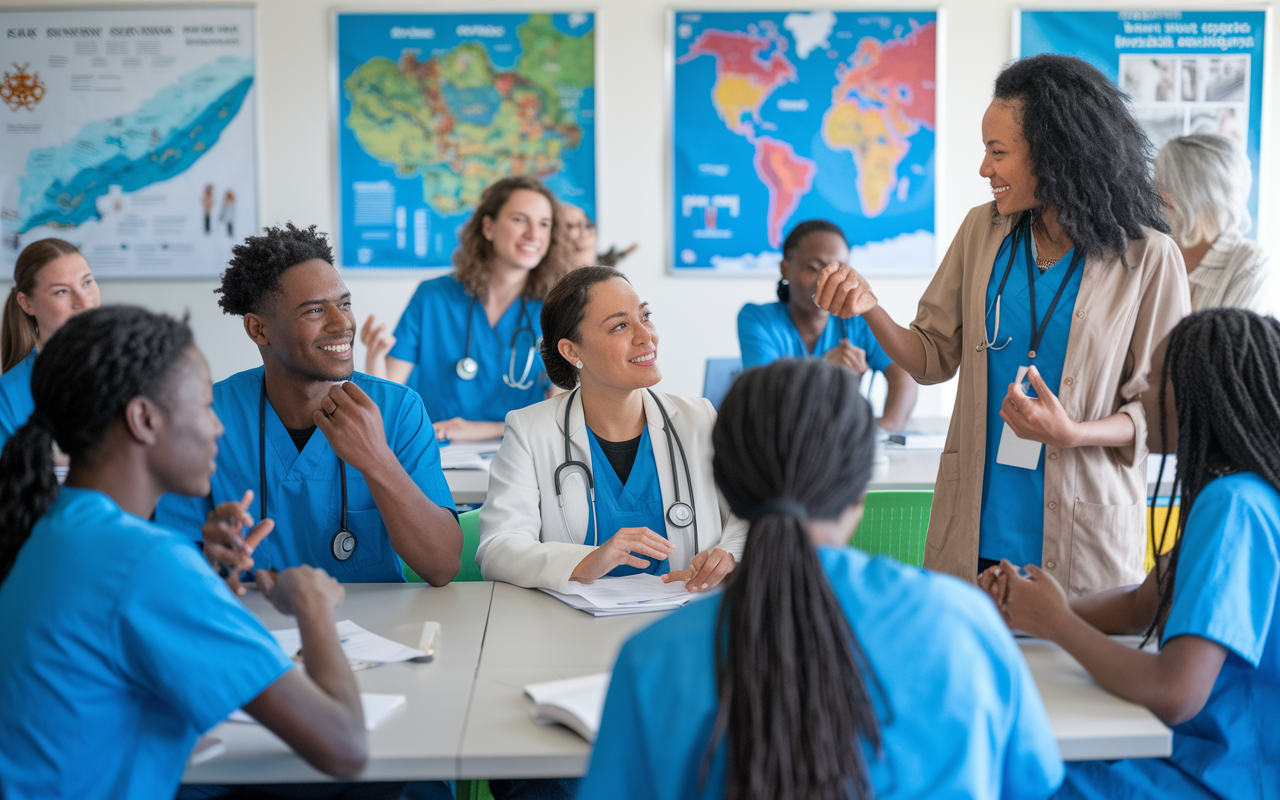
x: 467, y: 717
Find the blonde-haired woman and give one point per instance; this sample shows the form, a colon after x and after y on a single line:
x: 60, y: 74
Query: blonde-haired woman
x: 52, y: 283
x: 468, y: 342
x: 1205, y: 181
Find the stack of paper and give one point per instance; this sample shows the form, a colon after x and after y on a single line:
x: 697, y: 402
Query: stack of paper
x: 576, y: 703
x: 362, y: 648
x: 630, y: 594
x: 468, y: 455
x: 377, y: 707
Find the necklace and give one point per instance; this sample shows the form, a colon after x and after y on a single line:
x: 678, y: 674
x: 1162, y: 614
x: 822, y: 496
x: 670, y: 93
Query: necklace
x: 1043, y: 264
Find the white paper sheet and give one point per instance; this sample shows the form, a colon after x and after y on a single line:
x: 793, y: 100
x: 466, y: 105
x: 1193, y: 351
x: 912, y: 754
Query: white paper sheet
x: 629, y: 594
x: 468, y: 455
x: 357, y: 643
x: 377, y: 707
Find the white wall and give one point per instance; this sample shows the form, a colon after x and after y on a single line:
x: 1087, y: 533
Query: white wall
x: 695, y: 315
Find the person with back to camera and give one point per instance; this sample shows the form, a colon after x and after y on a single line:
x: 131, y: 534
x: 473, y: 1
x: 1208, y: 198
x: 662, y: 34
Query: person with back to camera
x: 121, y: 645
x: 51, y: 283
x: 1205, y: 181
x: 820, y: 673
x: 1068, y: 278
x: 794, y: 327
x: 468, y: 341
x: 346, y: 464
x: 611, y: 478
x: 1213, y: 602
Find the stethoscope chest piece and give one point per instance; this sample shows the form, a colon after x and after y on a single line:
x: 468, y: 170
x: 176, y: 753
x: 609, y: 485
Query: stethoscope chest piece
x: 680, y: 515
x: 343, y: 544
x: 467, y: 368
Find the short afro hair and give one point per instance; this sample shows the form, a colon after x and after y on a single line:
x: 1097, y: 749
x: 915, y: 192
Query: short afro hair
x: 253, y: 274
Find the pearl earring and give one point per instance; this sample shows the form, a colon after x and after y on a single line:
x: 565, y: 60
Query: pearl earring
x: 579, y: 365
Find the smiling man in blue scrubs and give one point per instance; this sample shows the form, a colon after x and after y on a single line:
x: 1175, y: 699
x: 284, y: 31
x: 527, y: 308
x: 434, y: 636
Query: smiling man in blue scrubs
x: 325, y: 442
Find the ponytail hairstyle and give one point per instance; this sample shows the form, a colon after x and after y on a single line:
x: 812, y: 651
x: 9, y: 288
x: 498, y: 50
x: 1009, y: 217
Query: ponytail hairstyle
x: 20, y: 333
x: 1225, y: 369
x: 794, y: 441
x: 89, y: 371
x: 793, y: 240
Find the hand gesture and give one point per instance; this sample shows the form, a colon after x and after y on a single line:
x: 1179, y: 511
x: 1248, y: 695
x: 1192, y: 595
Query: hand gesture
x: 843, y: 292
x: 1035, y: 604
x: 352, y: 423
x: 848, y: 355
x: 622, y: 548
x: 289, y: 590
x: 1040, y: 418
x: 705, y: 571
x: 224, y: 547
x: 378, y: 341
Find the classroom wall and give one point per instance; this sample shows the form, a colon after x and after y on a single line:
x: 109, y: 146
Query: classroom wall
x: 696, y: 316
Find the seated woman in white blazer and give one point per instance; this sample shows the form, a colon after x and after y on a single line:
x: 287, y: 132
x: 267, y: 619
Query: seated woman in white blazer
x: 612, y: 478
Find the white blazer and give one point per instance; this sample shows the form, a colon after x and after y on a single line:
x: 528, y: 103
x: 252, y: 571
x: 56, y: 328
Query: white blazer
x: 522, y: 535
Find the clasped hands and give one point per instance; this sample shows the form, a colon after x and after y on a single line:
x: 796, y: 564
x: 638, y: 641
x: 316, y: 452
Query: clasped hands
x: 1034, y: 602
x: 705, y: 571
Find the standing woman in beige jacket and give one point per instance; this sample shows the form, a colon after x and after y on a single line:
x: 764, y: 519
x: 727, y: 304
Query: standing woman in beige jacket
x: 1069, y: 279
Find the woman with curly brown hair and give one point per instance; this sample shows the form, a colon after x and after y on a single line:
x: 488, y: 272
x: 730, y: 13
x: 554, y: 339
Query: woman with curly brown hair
x: 468, y: 341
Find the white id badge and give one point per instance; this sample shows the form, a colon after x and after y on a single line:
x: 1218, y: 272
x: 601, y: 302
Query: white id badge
x: 1015, y: 451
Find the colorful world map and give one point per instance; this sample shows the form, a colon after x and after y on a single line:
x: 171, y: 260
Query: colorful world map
x: 449, y: 103
x: 783, y: 117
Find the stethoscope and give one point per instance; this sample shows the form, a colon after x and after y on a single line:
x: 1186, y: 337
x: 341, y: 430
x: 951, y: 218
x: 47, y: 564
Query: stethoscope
x: 1038, y: 327
x: 680, y: 514
x: 343, y: 543
x: 467, y: 368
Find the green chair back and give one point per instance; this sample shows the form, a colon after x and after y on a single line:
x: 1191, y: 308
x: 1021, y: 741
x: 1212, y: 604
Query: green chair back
x: 470, y: 522
x: 894, y: 524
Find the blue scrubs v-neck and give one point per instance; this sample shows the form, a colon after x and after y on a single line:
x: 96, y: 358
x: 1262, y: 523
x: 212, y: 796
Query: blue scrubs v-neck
x: 1012, y: 522
x: 767, y: 333
x: 432, y: 334
x: 634, y: 504
x: 16, y: 404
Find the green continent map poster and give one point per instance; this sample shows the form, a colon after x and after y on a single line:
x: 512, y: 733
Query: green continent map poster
x: 432, y: 108
x: 779, y: 117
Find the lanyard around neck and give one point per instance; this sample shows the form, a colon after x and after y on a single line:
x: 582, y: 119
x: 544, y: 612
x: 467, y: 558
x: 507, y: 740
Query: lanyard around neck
x: 1038, y: 326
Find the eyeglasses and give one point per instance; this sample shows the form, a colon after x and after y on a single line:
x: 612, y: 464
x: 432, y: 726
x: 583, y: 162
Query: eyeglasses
x: 583, y: 227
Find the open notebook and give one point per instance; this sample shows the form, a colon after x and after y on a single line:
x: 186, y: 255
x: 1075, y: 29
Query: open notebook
x: 576, y: 703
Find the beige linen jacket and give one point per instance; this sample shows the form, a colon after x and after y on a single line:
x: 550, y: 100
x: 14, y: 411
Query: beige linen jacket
x: 1094, y: 497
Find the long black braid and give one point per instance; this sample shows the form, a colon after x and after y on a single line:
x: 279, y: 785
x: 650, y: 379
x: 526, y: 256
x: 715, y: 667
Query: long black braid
x: 81, y: 383
x: 793, y: 699
x: 1225, y: 369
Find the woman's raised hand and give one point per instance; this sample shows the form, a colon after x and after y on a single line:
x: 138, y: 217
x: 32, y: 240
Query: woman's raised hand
x: 378, y: 341
x: 843, y: 292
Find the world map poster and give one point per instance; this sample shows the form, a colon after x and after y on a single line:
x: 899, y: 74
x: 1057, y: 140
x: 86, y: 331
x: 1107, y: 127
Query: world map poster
x: 130, y: 133
x: 783, y: 117
x: 432, y: 108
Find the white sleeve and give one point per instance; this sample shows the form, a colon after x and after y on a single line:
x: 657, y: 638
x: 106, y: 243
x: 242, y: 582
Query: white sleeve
x: 511, y: 547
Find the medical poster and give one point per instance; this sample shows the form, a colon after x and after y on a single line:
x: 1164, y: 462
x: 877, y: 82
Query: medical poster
x: 779, y: 117
x: 432, y: 108
x: 130, y: 133
x: 1185, y: 71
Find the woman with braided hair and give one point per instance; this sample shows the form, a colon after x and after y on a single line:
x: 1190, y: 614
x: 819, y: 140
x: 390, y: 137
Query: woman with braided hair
x: 1214, y: 601
x: 120, y: 644
x: 821, y: 673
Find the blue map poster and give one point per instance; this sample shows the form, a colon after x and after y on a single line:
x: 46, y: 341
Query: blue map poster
x: 1185, y: 71
x: 432, y: 108
x: 130, y: 133
x: 778, y: 117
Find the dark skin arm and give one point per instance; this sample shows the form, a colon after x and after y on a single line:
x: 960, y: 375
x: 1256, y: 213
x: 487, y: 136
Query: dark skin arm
x: 424, y: 534
x: 1174, y: 683
x: 845, y: 293
x: 317, y: 713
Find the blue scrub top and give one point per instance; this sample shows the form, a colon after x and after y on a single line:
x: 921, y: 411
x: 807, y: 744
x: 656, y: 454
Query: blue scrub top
x: 1012, y: 526
x: 432, y: 334
x: 120, y: 647
x: 1227, y: 591
x: 635, y: 504
x: 303, y: 489
x: 16, y: 405
x: 966, y: 718
x: 766, y: 334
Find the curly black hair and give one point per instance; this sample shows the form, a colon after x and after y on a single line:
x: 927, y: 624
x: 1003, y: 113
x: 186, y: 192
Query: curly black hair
x: 84, y: 378
x: 253, y: 274
x: 793, y: 240
x: 1091, y: 160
